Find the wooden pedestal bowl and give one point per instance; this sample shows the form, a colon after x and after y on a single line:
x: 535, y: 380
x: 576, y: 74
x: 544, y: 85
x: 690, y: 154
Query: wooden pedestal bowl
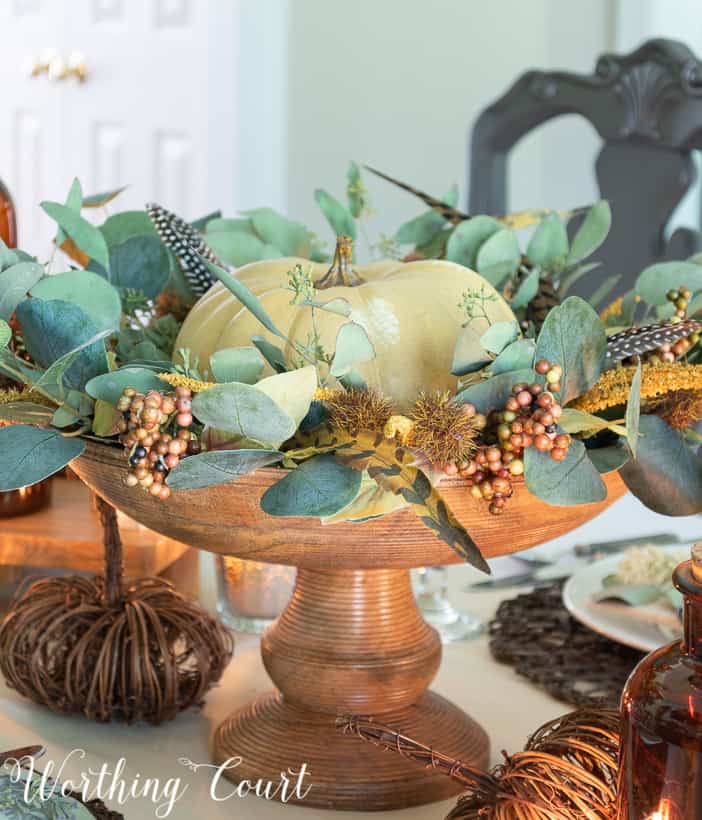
x: 351, y: 640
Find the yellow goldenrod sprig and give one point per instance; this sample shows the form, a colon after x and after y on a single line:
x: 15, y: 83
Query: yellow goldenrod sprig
x: 612, y: 388
x: 178, y: 380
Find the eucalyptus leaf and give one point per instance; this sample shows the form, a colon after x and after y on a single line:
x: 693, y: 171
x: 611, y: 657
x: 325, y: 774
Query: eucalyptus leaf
x: 74, y: 200
x: 548, y: 246
x: 633, y: 410
x: 292, y: 391
x: 494, y: 392
x: 499, y: 256
x: 138, y: 258
x: 54, y: 328
x: 5, y: 333
x: 64, y: 416
x: 139, y: 263
x: 336, y: 214
x: 246, y: 411
x: 15, y: 283
x: 272, y: 354
x: 120, y: 227
x: 52, y: 379
x: 573, y: 481
x: 421, y: 229
x: 26, y: 412
x: 17, y: 368
x: 436, y: 248
x: 202, y: 221
x: 237, y: 364
x: 219, y: 467
x: 666, y: 475
x: 238, y: 248
x: 656, y: 280
x: 96, y: 297
x: 291, y: 238
x: 467, y: 238
x: 108, y: 387
x: 526, y: 291
x: 592, y: 233
x: 469, y: 354
x: 227, y: 225
x: 579, y: 421
x: 499, y: 335
x: 317, y: 488
x: 352, y: 347
x: 517, y: 356
x: 246, y: 297
x: 85, y: 235
x: 106, y: 419
x: 30, y: 454
x: 8, y: 257
x: 103, y: 198
x: 609, y: 458
x: 574, y: 337
x: 354, y: 190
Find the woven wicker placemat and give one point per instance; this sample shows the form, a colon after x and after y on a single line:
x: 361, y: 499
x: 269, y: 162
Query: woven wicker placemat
x: 535, y: 634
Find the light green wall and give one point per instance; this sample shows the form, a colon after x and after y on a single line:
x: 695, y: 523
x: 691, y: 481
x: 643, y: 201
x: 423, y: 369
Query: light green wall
x: 397, y: 83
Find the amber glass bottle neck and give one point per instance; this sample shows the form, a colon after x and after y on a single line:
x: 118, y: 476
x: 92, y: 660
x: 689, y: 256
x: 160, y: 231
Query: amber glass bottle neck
x: 691, y: 590
x: 8, y: 222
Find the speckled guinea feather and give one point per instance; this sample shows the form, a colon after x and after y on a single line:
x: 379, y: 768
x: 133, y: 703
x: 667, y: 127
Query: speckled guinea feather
x: 188, y: 246
x: 635, y: 341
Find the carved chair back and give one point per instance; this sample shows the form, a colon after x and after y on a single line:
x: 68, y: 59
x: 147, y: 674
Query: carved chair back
x: 647, y: 108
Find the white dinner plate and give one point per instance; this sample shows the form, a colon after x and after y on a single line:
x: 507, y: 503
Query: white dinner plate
x: 586, y: 582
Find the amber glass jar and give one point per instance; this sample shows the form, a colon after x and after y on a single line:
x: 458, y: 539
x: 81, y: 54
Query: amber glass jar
x: 8, y: 218
x: 661, y: 749
x: 26, y: 499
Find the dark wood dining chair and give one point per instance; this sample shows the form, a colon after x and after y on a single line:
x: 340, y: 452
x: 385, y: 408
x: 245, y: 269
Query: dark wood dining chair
x: 647, y: 108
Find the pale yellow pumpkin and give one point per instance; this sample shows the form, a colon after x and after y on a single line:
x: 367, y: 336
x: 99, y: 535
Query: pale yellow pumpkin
x: 410, y: 311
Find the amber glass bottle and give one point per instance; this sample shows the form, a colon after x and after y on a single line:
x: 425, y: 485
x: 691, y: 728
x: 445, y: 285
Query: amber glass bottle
x: 660, y: 775
x: 8, y: 219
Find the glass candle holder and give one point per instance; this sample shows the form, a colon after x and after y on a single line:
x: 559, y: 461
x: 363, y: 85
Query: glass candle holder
x: 25, y: 499
x: 251, y: 594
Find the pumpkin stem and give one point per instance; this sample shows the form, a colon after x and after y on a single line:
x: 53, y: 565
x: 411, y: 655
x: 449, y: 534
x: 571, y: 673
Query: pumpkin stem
x: 341, y: 271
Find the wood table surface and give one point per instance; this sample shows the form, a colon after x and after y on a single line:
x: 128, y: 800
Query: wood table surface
x: 67, y: 535
x: 509, y: 707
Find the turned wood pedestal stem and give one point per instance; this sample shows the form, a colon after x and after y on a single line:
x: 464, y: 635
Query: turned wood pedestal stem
x: 350, y: 642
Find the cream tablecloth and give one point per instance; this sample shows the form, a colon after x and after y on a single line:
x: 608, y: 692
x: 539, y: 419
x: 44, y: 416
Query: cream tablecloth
x: 507, y: 706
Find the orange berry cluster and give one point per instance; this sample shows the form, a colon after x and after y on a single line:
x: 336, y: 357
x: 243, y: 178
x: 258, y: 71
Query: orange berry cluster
x: 529, y: 419
x: 668, y: 353
x: 153, y: 451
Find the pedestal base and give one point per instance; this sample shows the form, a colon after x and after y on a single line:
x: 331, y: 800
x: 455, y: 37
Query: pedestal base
x: 271, y: 736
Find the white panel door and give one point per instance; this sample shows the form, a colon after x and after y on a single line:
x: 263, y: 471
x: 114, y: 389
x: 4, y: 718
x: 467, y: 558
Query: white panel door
x: 141, y: 116
x: 31, y: 127
x: 156, y: 110
x: 183, y: 100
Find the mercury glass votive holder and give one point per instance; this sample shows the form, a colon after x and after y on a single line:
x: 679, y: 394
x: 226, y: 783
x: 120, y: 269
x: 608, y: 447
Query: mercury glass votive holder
x: 251, y: 594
